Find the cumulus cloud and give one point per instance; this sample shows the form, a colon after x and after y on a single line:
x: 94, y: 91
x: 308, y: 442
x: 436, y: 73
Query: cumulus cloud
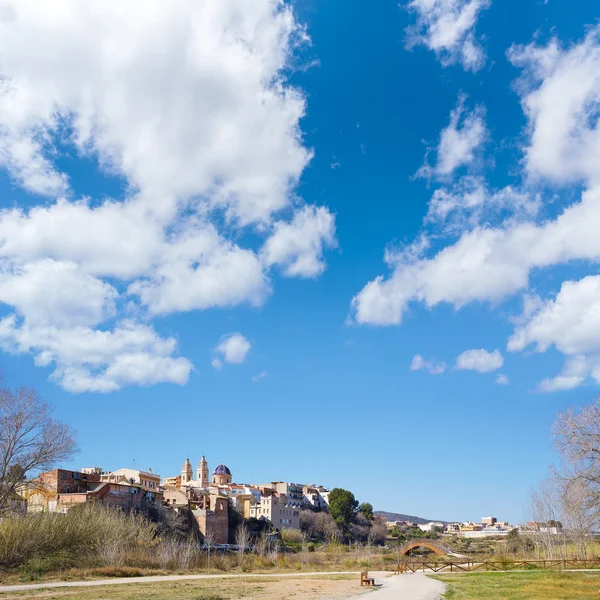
x: 298, y: 246
x: 491, y: 261
x: 94, y: 360
x: 469, y: 203
x: 480, y: 360
x: 560, y: 93
x: 233, y: 348
x: 196, y: 116
x: 570, y: 322
x: 459, y: 141
x: 448, y: 28
x: 485, y: 264
x: 502, y: 379
x: 432, y: 366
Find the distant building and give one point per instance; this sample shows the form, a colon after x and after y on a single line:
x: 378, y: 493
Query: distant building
x: 315, y: 496
x: 146, y: 479
x: 59, y: 489
x: 171, y: 481
x: 273, y: 508
x: 488, y: 520
x: 428, y: 527
x: 202, y: 473
x: 222, y: 475
x: 294, y: 492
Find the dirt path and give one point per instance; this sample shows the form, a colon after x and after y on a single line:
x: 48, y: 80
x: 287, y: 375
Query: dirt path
x: 161, y: 578
x: 414, y: 586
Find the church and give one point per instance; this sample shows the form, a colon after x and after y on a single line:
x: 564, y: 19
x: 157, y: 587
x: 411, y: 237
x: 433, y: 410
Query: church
x: 221, y: 475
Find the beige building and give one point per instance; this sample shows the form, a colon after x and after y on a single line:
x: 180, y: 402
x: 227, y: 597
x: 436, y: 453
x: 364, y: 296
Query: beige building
x: 274, y: 508
x: 147, y: 480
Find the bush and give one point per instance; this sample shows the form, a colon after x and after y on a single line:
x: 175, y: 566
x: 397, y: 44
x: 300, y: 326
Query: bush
x: 85, y: 531
x: 291, y: 536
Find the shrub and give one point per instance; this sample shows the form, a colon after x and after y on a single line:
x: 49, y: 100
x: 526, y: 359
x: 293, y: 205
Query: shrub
x: 85, y: 531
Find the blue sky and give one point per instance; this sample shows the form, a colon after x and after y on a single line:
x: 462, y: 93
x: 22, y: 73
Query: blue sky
x: 335, y: 242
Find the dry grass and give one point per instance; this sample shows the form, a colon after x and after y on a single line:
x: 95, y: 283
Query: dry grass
x: 543, y: 585
x: 330, y: 588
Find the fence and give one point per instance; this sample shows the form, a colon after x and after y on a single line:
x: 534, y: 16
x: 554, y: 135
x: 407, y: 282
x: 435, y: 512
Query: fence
x: 495, y: 565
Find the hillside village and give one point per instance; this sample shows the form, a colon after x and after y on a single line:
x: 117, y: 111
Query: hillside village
x: 211, y: 497
x: 208, y: 498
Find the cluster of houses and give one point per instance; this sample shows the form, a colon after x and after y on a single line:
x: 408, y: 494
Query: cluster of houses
x: 488, y: 527
x: 208, y: 498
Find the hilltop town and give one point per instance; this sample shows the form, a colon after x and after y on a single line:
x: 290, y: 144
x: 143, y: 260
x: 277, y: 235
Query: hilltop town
x: 210, y: 497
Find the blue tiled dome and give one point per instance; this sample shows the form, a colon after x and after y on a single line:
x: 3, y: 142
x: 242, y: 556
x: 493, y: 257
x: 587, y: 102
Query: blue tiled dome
x: 222, y: 470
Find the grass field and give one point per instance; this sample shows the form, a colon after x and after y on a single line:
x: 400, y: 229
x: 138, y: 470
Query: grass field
x: 546, y: 585
x: 297, y: 588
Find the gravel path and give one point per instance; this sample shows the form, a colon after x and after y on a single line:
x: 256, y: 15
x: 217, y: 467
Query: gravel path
x: 159, y: 578
x: 413, y: 586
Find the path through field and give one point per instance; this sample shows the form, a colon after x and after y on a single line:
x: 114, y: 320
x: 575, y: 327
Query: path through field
x: 413, y: 586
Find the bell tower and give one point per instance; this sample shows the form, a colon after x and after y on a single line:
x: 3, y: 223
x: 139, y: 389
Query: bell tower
x: 202, y: 473
x: 187, y: 473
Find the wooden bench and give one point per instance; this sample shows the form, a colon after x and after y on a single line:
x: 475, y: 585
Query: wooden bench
x: 365, y: 579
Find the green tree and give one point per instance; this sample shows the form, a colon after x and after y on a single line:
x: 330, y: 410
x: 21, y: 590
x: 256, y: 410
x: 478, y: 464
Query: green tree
x: 366, y: 509
x: 342, y: 507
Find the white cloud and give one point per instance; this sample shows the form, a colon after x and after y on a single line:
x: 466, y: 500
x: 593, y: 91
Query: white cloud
x: 47, y: 292
x: 233, y: 348
x: 485, y: 264
x: 561, y: 98
x: 575, y: 371
x: 194, y: 103
x: 114, y: 239
x: 92, y: 360
x: 560, y: 95
x: 502, y: 379
x: 217, y: 363
x: 447, y: 27
x: 459, y: 141
x: 195, y: 114
x: 432, y: 366
x: 298, y: 246
x: 480, y: 360
x: 571, y: 323
x: 260, y: 376
x: 468, y: 204
x: 200, y: 270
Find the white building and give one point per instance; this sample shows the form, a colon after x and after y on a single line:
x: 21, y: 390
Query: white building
x: 315, y: 496
x: 427, y: 527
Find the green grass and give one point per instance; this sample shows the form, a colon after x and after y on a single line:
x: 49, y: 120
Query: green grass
x: 540, y: 585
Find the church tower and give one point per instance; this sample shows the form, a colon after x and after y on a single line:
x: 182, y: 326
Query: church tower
x: 187, y: 474
x: 202, y: 473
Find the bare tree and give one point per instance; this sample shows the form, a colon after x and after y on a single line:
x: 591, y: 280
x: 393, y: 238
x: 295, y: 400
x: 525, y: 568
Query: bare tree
x: 577, y: 438
x: 546, y: 513
x: 242, y: 540
x: 579, y: 520
x: 30, y: 440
